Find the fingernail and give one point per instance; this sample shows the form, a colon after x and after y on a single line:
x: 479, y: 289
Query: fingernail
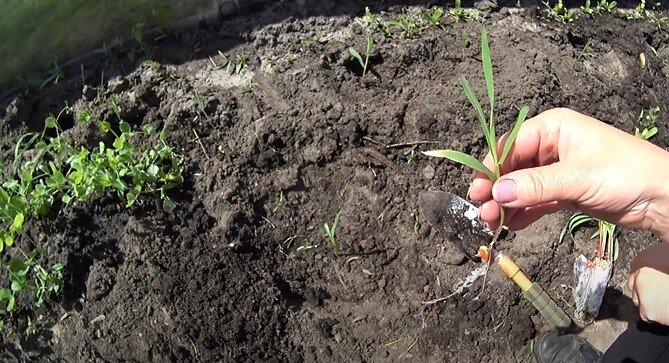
x: 505, y: 191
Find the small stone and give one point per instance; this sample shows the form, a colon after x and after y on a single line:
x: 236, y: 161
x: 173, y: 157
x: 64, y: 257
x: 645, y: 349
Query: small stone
x: 428, y: 172
x: 454, y: 257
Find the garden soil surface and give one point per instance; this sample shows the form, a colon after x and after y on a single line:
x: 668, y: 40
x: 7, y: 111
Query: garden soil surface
x: 241, y: 270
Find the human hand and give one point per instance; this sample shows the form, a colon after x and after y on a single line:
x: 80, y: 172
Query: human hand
x: 566, y: 160
x: 649, y: 283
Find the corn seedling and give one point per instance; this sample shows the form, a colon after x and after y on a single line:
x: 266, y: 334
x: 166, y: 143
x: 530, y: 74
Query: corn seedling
x: 330, y: 232
x: 488, y: 127
x: 560, y: 12
x: 608, y: 248
x: 639, y: 12
x: 586, y: 49
x: 364, y: 63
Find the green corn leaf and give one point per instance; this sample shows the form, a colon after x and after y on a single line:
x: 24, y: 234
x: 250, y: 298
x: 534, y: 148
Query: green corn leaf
x: 574, y: 222
x: 469, y: 92
x: 487, y: 72
x: 356, y: 55
x: 462, y: 158
x: 616, y: 249
x: 514, y: 133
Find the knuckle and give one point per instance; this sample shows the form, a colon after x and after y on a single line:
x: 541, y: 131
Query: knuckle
x: 536, y: 187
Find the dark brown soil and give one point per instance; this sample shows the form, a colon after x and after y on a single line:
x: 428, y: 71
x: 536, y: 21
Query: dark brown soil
x: 268, y: 165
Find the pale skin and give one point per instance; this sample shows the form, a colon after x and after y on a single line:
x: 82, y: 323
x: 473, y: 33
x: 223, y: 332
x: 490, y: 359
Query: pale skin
x: 566, y: 160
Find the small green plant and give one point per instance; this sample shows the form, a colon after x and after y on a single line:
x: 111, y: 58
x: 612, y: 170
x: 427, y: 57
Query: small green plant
x: 465, y: 42
x: 231, y: 65
x: 330, y: 232
x: 370, y: 19
x: 559, y: 12
x: 200, y: 105
x: 56, y: 74
x: 606, y: 6
x: 405, y: 25
x: 601, y: 7
x: 488, y: 127
x: 608, y: 247
x: 364, y: 63
x: 640, y: 12
x: 586, y: 49
x: 433, y: 17
x: 30, y: 277
x: 647, y: 120
x: 460, y: 13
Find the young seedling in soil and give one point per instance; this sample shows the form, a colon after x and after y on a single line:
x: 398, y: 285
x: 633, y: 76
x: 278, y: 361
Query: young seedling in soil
x: 330, y: 232
x: 602, y: 6
x: 488, y: 127
x: 647, y: 121
x: 231, y: 65
x: 460, y: 13
x: 364, y: 63
x: 433, y: 17
x: 586, y: 49
x: 559, y: 12
x: 406, y: 25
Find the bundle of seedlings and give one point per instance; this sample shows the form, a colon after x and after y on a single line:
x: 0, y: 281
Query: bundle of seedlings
x: 591, y: 276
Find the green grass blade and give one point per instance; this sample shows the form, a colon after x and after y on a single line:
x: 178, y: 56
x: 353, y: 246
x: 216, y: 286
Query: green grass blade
x: 463, y: 159
x: 616, y: 249
x: 469, y: 92
x: 487, y: 72
x: 574, y: 222
x: 514, y: 133
x: 356, y: 55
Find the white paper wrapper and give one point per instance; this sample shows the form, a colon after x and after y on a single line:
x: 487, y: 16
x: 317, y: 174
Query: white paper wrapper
x: 591, y: 279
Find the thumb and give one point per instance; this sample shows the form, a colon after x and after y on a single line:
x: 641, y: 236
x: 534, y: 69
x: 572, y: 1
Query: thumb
x: 545, y: 184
